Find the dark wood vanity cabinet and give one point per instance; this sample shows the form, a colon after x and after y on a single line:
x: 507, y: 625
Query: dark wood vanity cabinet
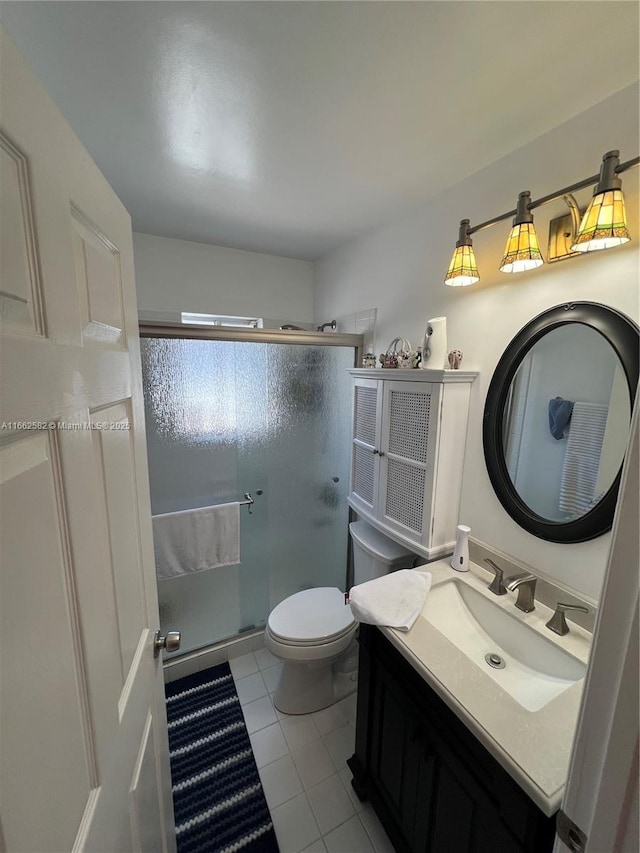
x: 435, y: 788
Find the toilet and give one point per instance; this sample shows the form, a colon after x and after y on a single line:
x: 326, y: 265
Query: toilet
x: 313, y: 631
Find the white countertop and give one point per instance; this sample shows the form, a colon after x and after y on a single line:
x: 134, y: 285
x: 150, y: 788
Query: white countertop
x: 533, y: 747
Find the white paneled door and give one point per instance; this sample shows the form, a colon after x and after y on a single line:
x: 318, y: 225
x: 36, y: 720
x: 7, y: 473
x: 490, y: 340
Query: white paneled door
x: 84, y: 761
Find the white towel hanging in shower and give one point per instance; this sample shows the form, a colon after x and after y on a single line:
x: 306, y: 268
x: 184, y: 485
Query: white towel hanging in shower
x: 196, y: 540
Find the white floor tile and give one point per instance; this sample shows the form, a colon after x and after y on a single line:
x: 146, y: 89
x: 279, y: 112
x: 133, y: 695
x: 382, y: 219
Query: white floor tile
x: 313, y: 763
x: 299, y: 730
x: 350, y: 837
x: 330, y: 718
x: 265, y: 659
x: 295, y: 825
x: 330, y: 803
x: 272, y: 676
x: 317, y: 847
x: 375, y: 831
x: 349, y: 706
x: 259, y: 714
x: 250, y: 688
x: 243, y: 665
x: 268, y: 745
x: 280, y: 781
x: 346, y: 776
x: 341, y: 743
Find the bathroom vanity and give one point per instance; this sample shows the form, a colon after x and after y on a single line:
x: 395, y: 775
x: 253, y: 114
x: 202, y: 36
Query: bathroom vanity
x: 409, y: 437
x: 451, y: 761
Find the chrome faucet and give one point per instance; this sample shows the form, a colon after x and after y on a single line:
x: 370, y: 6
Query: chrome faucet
x: 496, y: 586
x: 526, y: 586
x: 557, y: 623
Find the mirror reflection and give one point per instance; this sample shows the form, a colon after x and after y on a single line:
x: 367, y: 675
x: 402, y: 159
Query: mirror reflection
x: 566, y: 422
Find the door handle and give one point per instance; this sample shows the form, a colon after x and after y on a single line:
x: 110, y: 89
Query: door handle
x: 170, y: 642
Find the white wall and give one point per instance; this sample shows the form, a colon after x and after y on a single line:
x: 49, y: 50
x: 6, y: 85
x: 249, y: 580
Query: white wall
x: 177, y: 275
x: 399, y: 268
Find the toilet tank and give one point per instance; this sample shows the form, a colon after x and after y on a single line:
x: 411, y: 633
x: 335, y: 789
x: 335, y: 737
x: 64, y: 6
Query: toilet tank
x: 374, y: 554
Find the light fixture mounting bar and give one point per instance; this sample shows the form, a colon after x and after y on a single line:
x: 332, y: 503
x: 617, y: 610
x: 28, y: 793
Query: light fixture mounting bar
x: 580, y: 185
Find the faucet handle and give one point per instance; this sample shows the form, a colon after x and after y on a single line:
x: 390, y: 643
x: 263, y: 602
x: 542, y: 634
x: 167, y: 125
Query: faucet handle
x: 496, y: 586
x: 558, y: 623
x: 525, y: 584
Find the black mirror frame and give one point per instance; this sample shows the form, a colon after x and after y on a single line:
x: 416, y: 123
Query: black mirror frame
x: 623, y: 335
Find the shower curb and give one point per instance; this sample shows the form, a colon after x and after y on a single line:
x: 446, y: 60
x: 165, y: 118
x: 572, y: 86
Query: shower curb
x: 208, y: 656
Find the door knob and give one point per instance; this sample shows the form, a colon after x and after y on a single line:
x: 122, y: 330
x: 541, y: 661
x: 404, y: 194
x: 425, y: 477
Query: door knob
x: 170, y: 642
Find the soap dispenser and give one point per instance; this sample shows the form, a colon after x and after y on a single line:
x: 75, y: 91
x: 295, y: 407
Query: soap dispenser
x: 460, y: 559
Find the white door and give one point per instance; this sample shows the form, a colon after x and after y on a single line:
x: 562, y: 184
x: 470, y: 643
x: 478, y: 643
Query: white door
x: 83, y: 739
x: 600, y: 804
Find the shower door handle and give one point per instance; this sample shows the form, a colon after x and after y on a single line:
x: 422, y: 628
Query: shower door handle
x: 170, y: 642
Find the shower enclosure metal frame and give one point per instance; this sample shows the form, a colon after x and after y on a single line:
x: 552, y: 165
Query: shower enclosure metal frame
x: 166, y: 329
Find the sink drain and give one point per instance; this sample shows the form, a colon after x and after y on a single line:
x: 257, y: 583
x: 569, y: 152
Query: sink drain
x: 494, y: 660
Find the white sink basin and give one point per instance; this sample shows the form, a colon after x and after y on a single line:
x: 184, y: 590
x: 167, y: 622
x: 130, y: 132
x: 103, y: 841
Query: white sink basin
x: 535, y: 671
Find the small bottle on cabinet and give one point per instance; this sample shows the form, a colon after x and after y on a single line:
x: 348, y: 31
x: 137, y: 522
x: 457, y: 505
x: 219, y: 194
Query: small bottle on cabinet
x: 460, y: 559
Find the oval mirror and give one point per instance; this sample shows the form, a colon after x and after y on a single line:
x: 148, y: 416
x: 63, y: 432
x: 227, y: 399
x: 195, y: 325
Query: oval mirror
x: 557, y: 417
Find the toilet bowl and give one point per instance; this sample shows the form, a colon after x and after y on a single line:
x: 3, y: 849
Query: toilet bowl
x: 313, y: 631
x: 310, y: 632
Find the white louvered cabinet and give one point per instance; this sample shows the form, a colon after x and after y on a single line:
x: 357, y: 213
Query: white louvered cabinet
x: 409, y: 437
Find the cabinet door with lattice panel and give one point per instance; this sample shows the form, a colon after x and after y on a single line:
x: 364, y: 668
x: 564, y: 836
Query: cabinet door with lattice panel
x: 408, y: 440
x: 365, y: 462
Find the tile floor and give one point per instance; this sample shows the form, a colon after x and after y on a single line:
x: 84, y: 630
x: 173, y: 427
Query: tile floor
x: 301, y: 761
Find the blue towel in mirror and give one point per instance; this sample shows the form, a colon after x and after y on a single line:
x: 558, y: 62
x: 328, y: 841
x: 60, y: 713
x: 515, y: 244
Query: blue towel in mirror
x: 559, y: 416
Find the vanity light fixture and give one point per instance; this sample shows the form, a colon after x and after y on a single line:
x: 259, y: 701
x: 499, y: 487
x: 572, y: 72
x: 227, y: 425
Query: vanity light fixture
x: 522, y: 251
x: 603, y: 225
x: 463, y: 269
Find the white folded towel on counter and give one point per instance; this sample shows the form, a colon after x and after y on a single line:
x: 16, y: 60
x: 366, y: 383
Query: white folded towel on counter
x: 196, y: 540
x: 394, y: 600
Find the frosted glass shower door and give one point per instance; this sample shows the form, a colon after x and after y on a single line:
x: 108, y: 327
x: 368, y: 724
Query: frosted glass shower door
x: 225, y: 418
x: 308, y: 411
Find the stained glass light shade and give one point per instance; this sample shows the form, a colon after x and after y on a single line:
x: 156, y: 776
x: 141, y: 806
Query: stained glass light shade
x: 463, y: 269
x: 604, y: 224
x: 522, y: 251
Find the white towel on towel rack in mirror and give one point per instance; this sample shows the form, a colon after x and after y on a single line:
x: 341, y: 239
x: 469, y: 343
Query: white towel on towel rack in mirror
x: 196, y: 540
x: 582, y: 457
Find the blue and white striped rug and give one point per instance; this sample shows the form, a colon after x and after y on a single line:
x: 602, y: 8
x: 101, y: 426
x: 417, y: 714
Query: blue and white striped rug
x: 218, y: 799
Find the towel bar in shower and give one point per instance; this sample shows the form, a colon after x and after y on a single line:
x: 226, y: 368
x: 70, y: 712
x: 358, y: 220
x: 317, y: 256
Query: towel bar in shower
x: 248, y: 501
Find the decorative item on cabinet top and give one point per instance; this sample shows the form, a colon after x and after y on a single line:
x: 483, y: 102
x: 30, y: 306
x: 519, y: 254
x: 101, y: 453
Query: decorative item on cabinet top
x: 400, y: 354
x: 409, y: 434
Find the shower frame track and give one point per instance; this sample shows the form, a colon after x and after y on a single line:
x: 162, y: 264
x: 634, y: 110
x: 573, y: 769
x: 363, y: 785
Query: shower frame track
x: 164, y: 329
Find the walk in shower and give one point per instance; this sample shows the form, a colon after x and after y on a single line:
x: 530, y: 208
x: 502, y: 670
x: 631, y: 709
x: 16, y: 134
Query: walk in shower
x: 267, y: 414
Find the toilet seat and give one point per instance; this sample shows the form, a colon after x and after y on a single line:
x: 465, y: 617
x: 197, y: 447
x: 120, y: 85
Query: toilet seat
x: 311, y: 617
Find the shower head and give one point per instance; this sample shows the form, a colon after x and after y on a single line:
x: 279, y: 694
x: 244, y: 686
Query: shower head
x: 332, y: 325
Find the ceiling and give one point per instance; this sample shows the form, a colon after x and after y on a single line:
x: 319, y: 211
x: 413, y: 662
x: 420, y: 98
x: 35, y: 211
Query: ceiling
x: 291, y: 127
